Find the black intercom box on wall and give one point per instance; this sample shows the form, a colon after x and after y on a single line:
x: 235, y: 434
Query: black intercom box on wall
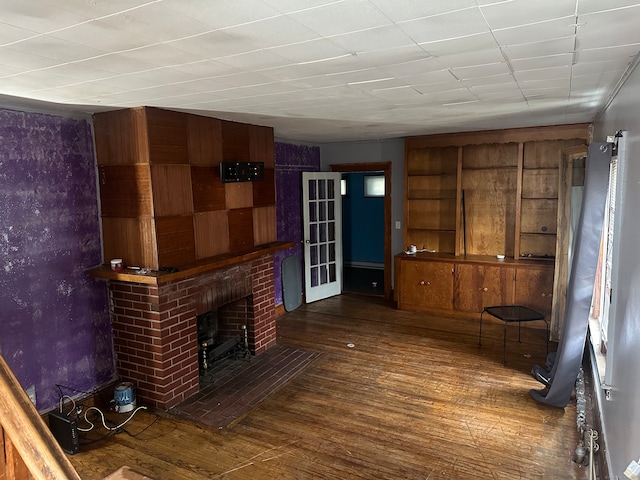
x: 241, y: 171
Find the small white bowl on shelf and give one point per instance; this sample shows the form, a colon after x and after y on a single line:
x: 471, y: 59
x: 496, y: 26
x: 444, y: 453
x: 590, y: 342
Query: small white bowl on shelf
x: 500, y: 257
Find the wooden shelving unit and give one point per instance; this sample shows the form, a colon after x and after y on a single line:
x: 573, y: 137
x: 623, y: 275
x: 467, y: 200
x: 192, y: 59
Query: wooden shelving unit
x: 473, y: 196
x: 432, y: 198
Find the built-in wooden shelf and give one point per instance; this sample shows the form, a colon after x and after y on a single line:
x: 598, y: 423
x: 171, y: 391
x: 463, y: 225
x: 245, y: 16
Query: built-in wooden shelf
x: 186, y: 271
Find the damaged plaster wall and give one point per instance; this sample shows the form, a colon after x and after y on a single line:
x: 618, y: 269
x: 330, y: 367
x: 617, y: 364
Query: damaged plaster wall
x: 54, y: 316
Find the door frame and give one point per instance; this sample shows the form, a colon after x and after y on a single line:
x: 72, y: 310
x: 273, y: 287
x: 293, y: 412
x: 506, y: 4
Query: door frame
x: 384, y: 167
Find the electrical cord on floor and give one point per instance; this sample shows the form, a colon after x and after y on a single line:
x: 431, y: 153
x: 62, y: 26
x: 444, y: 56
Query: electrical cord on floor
x: 104, y: 422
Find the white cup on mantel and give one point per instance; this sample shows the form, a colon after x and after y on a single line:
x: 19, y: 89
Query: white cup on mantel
x: 413, y: 249
x: 116, y: 264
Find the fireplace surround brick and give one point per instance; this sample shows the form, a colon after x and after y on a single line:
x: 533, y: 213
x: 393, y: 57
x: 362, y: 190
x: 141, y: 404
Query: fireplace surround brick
x: 155, y: 330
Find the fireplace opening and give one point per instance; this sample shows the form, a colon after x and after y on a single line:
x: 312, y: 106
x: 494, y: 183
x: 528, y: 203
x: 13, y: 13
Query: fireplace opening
x: 223, y: 333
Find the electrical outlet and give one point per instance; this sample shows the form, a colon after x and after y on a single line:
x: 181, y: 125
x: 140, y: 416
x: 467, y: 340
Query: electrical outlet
x: 31, y: 393
x: 633, y: 471
x: 398, y: 225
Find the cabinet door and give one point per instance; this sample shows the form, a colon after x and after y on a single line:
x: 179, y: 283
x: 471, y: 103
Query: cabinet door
x: 426, y: 285
x: 534, y: 288
x: 479, y: 286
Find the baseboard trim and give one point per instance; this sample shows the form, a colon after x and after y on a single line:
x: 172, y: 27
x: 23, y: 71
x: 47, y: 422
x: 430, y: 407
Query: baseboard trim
x: 358, y: 264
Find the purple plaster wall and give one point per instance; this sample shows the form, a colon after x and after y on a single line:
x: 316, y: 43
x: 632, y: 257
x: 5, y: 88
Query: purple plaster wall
x: 54, y: 316
x: 291, y: 161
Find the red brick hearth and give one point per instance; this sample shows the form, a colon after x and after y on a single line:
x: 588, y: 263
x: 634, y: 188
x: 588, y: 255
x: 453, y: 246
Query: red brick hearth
x: 155, y: 332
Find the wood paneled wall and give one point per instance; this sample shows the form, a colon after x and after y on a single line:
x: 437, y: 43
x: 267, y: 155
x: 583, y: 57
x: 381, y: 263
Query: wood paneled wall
x: 163, y: 203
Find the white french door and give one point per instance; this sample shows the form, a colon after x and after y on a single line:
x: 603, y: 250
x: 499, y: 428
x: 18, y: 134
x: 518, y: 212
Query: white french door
x: 322, y: 222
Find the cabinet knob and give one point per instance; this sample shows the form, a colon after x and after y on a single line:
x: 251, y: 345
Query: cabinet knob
x: 485, y: 289
x: 421, y: 282
x: 428, y: 283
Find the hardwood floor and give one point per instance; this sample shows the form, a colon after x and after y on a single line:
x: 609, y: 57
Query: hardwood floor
x: 413, y: 398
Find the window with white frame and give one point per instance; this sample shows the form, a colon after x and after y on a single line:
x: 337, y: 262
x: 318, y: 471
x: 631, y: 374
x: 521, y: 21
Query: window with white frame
x: 601, y: 303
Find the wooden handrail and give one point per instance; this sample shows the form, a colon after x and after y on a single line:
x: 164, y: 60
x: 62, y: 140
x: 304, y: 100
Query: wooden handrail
x: 29, y: 436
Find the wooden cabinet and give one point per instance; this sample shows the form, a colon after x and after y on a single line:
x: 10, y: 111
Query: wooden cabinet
x: 477, y: 286
x: 162, y: 200
x: 426, y: 285
x: 534, y: 288
x: 441, y: 283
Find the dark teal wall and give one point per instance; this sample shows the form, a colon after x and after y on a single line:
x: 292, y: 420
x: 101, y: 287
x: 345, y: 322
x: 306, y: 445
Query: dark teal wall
x: 362, y: 222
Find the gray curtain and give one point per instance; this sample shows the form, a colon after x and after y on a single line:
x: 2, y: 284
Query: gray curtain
x: 566, y: 362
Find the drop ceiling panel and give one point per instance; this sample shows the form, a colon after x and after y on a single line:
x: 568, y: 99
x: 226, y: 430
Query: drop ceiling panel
x: 207, y: 68
x: 536, y: 32
x: 393, y: 56
x: 416, y: 67
x: 310, y: 51
x: 259, y: 60
x: 160, y: 55
x: 222, y: 13
x: 215, y: 45
x: 94, y: 9
x: 372, y: 39
x: 100, y: 36
x: 60, y: 50
x: 10, y: 34
x: 117, y: 65
x: 544, y: 74
x: 463, y: 45
x: 591, y: 6
x: 403, y: 10
x: 436, y: 77
x: 144, y: 22
x: 479, y: 71
x: 273, y: 32
x: 290, y: 6
x: 398, y: 94
x: 597, y: 68
x: 170, y: 76
x: 560, y: 60
x: 39, y: 17
x: 23, y: 60
x: 496, y: 81
x: 623, y: 54
x: 595, y: 30
x: 462, y: 23
x: 342, y: 17
x: 520, y: 12
x: 467, y: 59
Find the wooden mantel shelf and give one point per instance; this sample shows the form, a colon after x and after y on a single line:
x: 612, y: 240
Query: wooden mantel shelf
x: 185, y: 271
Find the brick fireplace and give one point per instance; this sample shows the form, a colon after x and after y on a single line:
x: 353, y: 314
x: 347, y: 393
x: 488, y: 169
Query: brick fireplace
x: 155, y: 331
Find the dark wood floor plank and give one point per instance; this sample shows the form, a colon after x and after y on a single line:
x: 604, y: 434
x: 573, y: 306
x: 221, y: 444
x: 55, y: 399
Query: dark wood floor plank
x: 415, y: 397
